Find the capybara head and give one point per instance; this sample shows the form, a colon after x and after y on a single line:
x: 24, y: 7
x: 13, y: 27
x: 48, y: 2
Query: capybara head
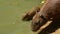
x: 37, y: 22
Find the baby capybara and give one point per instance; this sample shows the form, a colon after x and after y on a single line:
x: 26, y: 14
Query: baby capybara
x: 29, y: 15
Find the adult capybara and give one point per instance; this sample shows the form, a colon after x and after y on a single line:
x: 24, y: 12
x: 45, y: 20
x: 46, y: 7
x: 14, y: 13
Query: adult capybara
x: 51, y: 9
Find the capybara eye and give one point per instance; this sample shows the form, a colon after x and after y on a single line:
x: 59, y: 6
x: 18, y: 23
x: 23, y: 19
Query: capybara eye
x: 36, y: 23
x: 37, y: 10
x: 42, y: 17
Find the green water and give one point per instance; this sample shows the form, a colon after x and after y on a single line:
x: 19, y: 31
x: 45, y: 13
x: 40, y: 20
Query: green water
x: 10, y: 16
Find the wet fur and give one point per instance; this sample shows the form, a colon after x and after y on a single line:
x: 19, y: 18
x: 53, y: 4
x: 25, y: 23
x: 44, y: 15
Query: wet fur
x: 51, y: 9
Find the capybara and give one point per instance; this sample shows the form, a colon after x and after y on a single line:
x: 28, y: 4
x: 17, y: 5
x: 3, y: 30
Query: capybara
x: 49, y: 11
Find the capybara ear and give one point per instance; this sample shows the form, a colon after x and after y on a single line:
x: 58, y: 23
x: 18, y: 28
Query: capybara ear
x: 29, y: 15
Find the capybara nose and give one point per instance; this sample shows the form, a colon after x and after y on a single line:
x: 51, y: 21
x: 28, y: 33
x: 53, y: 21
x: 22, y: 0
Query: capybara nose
x: 35, y: 26
x: 36, y: 23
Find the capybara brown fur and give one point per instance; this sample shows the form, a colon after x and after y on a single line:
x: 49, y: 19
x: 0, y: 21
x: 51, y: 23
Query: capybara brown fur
x: 51, y: 9
x: 29, y: 15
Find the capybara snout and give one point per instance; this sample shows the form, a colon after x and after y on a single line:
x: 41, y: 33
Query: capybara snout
x: 37, y: 22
